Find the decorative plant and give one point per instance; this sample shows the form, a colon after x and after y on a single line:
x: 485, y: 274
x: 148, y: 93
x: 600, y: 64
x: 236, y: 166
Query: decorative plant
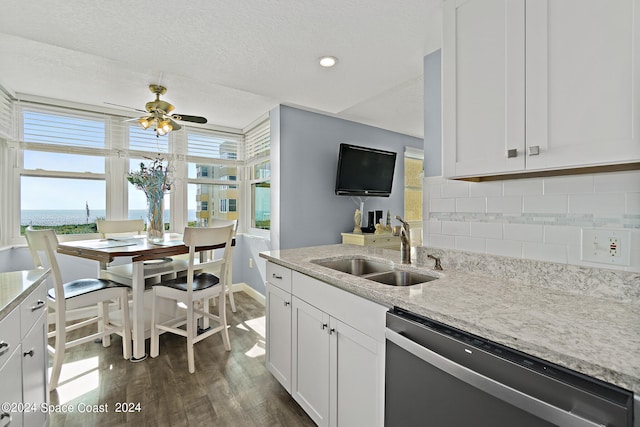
x: 155, y: 180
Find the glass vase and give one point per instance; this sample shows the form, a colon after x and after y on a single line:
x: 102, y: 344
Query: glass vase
x: 155, y: 217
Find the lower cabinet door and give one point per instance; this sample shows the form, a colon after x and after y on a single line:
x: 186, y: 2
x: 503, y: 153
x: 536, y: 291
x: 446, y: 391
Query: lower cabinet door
x: 34, y: 373
x: 357, y: 387
x: 11, y: 390
x: 279, y: 335
x: 310, y: 360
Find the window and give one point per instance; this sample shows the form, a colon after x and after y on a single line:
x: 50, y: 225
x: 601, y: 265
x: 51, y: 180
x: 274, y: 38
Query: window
x: 213, y: 162
x: 258, y: 140
x: 62, y: 178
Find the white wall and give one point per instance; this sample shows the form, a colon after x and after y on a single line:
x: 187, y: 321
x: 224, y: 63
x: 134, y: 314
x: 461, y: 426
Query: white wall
x: 308, y: 212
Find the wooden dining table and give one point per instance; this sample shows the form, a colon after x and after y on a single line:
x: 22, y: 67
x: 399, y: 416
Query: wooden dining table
x: 139, y: 249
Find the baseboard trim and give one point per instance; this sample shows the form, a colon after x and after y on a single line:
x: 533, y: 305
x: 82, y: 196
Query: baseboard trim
x: 249, y: 291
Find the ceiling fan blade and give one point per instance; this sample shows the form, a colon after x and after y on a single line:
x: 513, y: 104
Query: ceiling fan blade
x: 175, y: 125
x: 124, y: 106
x: 185, y: 118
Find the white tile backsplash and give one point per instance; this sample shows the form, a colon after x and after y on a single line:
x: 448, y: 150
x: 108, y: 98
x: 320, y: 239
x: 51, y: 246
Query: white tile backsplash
x: 471, y: 244
x: 598, y: 203
x: 508, y: 204
x: 568, y: 184
x: 504, y: 248
x: 544, y: 252
x: 472, y: 204
x: 522, y: 186
x: 539, y: 218
x: 545, y: 204
x: 489, y: 230
x: 523, y: 232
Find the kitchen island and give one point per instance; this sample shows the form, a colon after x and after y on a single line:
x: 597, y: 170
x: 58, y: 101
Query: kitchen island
x: 589, y: 332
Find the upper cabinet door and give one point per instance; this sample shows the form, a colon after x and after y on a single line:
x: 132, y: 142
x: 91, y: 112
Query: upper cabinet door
x: 582, y: 82
x: 483, y: 75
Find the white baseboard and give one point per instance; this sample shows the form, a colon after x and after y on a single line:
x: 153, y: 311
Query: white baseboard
x: 249, y: 291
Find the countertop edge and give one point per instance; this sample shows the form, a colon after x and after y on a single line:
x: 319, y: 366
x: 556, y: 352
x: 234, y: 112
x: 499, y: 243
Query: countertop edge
x: 22, y: 293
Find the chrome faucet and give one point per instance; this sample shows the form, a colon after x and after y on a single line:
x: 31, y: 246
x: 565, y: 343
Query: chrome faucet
x: 405, y: 242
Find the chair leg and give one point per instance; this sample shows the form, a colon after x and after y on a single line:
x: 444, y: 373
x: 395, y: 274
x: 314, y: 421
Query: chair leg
x: 104, y: 322
x: 191, y: 329
x: 155, y: 332
x: 126, y: 326
x: 231, y: 300
x: 58, y: 356
x: 222, y: 313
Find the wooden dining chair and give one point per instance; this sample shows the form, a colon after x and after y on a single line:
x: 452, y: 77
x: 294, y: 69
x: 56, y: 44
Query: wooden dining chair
x: 194, y: 290
x: 64, y: 297
x: 216, y: 268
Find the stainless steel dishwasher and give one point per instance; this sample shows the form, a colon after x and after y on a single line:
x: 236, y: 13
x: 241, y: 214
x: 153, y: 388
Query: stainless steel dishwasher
x: 440, y: 376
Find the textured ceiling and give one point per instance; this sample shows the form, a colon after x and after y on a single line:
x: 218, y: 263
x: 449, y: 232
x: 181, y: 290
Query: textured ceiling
x: 230, y: 61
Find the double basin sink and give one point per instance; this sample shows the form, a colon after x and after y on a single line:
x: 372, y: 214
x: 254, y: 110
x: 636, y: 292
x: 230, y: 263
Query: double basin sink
x: 377, y: 271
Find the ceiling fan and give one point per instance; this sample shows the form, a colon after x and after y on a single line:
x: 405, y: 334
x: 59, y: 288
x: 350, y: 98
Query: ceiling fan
x: 158, y: 114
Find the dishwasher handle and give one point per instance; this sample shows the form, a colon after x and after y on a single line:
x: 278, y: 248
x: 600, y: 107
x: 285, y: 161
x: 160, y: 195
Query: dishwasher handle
x: 527, y: 403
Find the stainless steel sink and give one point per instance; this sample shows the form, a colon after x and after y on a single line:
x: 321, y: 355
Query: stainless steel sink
x: 376, y: 271
x: 355, y: 266
x: 400, y: 278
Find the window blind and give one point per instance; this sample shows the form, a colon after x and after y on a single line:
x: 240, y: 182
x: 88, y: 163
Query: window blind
x: 258, y: 141
x: 147, y: 141
x: 40, y: 126
x: 6, y: 115
x: 202, y: 146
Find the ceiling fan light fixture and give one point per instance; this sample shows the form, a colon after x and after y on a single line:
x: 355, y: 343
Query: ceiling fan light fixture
x: 144, y: 123
x: 328, y: 61
x: 160, y: 132
x: 166, y: 126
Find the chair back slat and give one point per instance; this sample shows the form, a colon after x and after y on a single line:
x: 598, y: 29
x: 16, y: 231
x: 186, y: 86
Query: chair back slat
x: 46, y: 242
x: 119, y: 226
x: 195, y: 237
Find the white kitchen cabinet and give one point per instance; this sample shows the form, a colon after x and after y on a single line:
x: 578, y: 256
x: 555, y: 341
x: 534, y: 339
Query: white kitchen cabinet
x: 310, y: 355
x: 33, y: 326
x: 326, y: 347
x: 338, y: 354
x: 278, y: 322
x: 10, y: 368
x: 23, y: 375
x: 531, y: 85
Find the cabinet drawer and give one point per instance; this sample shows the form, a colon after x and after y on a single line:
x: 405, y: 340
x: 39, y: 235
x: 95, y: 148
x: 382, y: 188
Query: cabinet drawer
x: 32, y: 307
x: 9, y: 335
x: 279, y: 276
x: 364, y: 315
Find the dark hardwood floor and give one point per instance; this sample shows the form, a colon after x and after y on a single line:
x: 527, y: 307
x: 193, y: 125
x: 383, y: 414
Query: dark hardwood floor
x: 228, y: 388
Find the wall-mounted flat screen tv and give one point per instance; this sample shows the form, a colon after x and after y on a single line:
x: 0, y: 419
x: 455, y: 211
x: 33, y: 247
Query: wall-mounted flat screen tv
x: 364, y: 171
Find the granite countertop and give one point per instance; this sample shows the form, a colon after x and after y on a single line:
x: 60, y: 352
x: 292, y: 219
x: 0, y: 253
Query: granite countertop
x: 588, y: 333
x: 15, y: 286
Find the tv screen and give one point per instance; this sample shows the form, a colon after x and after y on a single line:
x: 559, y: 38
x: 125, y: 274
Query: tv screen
x: 364, y: 171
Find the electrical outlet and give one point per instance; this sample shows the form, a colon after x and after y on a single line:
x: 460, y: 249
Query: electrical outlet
x: 606, y: 246
x: 250, y: 262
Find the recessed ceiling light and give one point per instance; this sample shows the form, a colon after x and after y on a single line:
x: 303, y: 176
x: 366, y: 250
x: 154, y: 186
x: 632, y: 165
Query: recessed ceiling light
x: 328, y: 61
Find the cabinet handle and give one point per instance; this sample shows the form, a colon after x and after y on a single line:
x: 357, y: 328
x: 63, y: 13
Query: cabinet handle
x: 324, y: 325
x: 286, y: 303
x: 4, y: 347
x: 534, y: 150
x: 332, y: 330
x: 5, y: 415
x: 29, y: 353
x: 512, y: 153
x: 38, y: 305
x: 275, y: 276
